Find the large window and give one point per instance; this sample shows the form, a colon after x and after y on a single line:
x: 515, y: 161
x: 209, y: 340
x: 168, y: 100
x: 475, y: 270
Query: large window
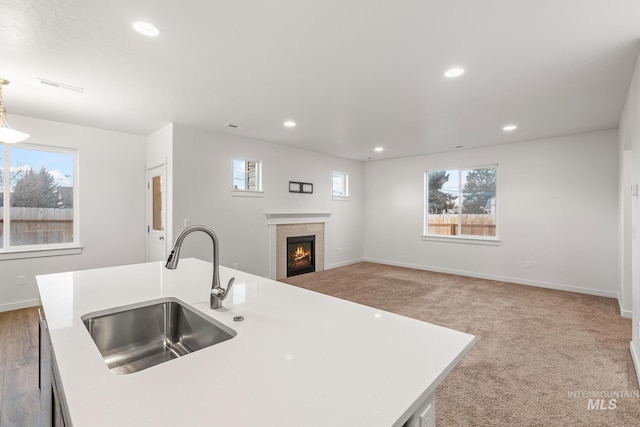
x: 461, y: 202
x: 37, y: 199
x: 247, y: 175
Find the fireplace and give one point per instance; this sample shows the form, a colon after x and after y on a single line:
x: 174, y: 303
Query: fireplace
x: 301, y: 256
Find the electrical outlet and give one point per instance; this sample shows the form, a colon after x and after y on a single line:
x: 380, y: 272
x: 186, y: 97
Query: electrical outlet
x: 22, y: 280
x: 187, y: 223
x: 236, y: 265
x: 527, y: 264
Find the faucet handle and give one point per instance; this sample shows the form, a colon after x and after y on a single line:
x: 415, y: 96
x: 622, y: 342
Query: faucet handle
x: 222, y: 293
x: 229, y: 285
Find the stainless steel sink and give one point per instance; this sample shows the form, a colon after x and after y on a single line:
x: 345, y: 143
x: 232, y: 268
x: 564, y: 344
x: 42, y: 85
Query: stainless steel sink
x: 137, y: 337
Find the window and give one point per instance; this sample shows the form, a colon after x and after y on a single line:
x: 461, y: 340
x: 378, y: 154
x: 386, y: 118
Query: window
x: 340, y: 184
x: 247, y: 175
x: 38, y: 211
x: 461, y: 202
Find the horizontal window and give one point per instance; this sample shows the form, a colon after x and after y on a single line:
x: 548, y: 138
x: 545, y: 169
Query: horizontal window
x: 461, y: 203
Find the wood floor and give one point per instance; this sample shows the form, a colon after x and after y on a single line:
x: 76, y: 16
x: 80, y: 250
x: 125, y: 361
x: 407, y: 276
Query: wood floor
x: 19, y: 392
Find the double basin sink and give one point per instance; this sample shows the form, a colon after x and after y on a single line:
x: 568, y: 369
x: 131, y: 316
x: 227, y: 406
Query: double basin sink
x: 134, y: 338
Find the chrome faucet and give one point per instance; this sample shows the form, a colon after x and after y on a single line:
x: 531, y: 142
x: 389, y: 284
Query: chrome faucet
x: 218, y: 294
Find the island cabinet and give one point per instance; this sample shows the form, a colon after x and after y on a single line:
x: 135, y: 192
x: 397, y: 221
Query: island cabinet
x: 296, y: 357
x: 425, y: 416
x: 52, y: 406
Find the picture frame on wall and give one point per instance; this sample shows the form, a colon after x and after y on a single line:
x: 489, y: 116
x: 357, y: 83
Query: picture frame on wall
x: 300, y: 187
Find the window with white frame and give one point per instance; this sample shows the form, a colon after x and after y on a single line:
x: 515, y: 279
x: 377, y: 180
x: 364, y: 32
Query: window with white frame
x: 247, y: 175
x: 340, y: 184
x: 461, y: 202
x: 37, y: 198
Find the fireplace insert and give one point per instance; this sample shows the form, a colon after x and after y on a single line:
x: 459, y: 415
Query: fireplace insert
x: 301, y: 257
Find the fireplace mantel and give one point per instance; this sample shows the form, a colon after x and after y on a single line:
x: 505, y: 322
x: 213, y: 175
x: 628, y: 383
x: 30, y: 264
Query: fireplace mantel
x: 275, y: 218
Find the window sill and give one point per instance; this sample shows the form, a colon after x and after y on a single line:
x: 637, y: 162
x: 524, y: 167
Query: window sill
x: 341, y: 198
x: 39, y: 252
x: 247, y: 193
x: 463, y: 239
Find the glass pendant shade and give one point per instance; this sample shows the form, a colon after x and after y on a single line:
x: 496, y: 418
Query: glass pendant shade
x: 7, y: 134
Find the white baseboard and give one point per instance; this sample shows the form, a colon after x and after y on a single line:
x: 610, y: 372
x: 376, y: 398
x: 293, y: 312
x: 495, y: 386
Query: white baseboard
x: 555, y: 286
x: 345, y: 263
x: 624, y: 313
x: 19, y: 305
x: 636, y: 360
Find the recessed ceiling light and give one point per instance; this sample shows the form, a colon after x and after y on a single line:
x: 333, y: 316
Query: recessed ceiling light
x: 454, y: 72
x: 146, y: 29
x: 378, y: 149
x: 290, y: 124
x: 509, y: 128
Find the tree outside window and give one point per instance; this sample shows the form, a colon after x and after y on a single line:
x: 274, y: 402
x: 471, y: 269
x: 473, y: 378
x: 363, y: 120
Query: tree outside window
x: 38, y: 208
x: 461, y: 202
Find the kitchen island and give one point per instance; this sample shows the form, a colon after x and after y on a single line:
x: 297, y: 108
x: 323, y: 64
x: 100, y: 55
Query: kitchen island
x: 299, y: 358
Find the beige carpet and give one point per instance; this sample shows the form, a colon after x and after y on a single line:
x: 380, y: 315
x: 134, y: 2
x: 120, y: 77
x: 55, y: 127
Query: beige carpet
x: 540, y: 355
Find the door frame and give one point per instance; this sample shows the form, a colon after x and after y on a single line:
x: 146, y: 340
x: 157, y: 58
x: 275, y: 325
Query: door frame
x: 150, y: 172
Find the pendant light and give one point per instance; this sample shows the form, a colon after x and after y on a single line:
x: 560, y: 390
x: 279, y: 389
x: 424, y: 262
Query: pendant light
x: 7, y: 134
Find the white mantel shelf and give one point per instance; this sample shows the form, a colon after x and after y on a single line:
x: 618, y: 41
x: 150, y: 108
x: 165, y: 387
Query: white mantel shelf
x: 299, y: 357
x: 276, y: 218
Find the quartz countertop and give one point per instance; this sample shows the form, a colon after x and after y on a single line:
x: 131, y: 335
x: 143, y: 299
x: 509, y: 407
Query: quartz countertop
x: 299, y: 357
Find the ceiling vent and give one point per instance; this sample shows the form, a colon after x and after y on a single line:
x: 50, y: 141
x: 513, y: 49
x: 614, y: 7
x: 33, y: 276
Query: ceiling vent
x: 61, y: 85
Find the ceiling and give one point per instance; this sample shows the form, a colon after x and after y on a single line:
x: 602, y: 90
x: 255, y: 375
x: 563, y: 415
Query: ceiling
x: 353, y: 74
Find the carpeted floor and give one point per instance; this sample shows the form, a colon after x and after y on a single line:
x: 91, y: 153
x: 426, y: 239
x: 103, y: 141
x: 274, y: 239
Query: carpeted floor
x: 541, y: 357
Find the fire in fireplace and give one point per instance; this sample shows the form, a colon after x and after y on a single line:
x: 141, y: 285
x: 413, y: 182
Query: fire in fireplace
x: 301, y: 255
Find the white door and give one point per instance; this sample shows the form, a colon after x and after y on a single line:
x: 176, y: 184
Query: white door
x: 156, y: 213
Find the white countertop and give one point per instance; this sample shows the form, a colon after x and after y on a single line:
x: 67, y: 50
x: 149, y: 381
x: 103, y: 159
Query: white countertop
x: 299, y: 357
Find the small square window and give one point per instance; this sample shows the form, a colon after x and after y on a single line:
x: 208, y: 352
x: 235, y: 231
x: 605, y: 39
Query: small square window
x: 247, y: 175
x: 340, y: 184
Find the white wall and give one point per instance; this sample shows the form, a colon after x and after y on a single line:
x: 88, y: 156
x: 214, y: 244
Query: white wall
x: 111, y: 202
x: 630, y: 138
x: 558, y: 207
x: 202, y: 183
x: 624, y: 229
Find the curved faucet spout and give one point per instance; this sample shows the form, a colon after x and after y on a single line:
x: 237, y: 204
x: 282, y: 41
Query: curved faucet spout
x: 217, y: 294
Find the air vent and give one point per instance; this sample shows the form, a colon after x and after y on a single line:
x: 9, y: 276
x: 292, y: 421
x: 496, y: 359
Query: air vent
x: 61, y: 85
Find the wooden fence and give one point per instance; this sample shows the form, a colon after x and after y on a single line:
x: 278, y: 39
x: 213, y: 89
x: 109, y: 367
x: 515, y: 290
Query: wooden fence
x: 37, y: 226
x: 472, y: 224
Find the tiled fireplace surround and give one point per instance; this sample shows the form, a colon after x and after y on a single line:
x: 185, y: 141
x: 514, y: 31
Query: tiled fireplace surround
x: 283, y: 225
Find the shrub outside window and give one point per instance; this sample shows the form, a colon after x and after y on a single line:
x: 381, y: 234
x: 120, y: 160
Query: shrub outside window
x: 38, y: 211
x: 461, y: 202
